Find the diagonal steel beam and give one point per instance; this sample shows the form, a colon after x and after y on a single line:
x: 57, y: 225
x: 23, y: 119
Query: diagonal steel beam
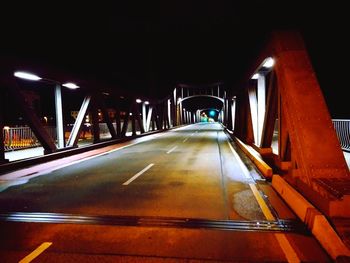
x: 74, y: 135
x: 33, y: 121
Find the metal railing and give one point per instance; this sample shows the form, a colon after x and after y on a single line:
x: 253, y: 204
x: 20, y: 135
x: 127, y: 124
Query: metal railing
x: 23, y: 137
x: 342, y: 128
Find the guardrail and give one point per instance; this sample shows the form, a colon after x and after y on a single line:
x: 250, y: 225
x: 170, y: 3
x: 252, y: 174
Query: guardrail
x: 342, y: 128
x: 23, y: 137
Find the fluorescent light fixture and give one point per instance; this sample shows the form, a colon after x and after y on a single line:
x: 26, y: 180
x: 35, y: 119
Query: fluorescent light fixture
x: 146, y: 102
x: 26, y: 75
x: 138, y: 101
x: 70, y: 85
x: 269, y: 62
x: 255, y: 76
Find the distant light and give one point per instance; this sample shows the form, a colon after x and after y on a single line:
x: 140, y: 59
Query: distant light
x: 122, y: 97
x: 105, y: 93
x: 211, y: 113
x: 70, y: 85
x: 146, y: 102
x: 6, y: 127
x: 138, y: 101
x: 26, y: 75
x: 269, y: 62
x: 179, y: 100
x: 255, y: 76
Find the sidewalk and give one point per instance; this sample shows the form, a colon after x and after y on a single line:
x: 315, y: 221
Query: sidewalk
x: 39, y: 151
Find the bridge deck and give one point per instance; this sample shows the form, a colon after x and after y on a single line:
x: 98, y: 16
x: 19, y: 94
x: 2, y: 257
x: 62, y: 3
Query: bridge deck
x: 167, y: 194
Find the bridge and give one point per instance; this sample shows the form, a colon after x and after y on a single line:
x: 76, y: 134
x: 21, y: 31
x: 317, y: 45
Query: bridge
x: 256, y: 173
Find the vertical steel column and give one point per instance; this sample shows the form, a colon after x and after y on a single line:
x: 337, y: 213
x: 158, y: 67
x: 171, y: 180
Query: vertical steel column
x: 261, y: 92
x: 133, y: 119
x: 2, y: 146
x: 125, y: 122
x: 117, y: 122
x: 169, y: 113
x: 253, y: 104
x: 219, y: 91
x: 59, y: 117
x: 95, y: 121
x: 144, y: 116
x: 174, y: 111
x: 233, y: 113
x: 138, y: 118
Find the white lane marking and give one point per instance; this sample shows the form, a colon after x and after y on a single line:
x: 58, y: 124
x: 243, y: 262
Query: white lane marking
x: 172, y: 149
x: 240, y: 162
x: 138, y: 174
x: 282, y: 240
x: 28, y: 173
x: 185, y: 139
x: 36, y: 252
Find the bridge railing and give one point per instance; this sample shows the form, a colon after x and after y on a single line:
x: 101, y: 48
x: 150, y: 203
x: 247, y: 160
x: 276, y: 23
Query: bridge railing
x: 342, y: 128
x: 22, y: 137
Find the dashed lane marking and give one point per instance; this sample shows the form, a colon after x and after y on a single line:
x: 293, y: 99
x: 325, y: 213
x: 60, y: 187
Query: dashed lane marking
x: 138, y: 174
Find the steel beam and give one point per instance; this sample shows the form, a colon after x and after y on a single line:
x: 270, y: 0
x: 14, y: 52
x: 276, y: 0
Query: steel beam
x: 2, y: 146
x: 261, y: 99
x: 138, y: 118
x: 74, y: 135
x: 149, y: 116
x: 33, y: 121
x: 253, y: 104
x: 59, y: 117
x: 109, y: 123
x: 271, y: 114
x: 125, y: 123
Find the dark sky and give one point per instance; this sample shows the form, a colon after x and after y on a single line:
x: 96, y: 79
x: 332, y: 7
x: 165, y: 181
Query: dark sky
x: 149, y: 46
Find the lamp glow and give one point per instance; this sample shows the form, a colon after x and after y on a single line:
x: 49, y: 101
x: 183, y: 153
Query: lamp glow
x: 138, y: 101
x: 70, y: 85
x: 269, y: 62
x: 26, y: 75
x: 146, y: 102
x: 255, y: 76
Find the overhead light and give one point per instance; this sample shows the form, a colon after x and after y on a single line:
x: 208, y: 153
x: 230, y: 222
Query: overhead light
x: 255, y: 76
x: 26, y: 75
x: 269, y: 62
x: 70, y: 85
x: 146, y: 102
x: 138, y: 101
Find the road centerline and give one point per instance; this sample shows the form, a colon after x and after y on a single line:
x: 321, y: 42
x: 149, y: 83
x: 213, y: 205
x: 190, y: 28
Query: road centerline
x: 172, y: 149
x: 138, y: 174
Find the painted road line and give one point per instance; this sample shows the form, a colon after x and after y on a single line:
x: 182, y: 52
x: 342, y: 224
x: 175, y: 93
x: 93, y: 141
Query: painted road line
x: 286, y: 247
x: 185, y: 139
x: 240, y: 162
x: 40, y: 249
x: 138, y: 174
x: 172, y: 149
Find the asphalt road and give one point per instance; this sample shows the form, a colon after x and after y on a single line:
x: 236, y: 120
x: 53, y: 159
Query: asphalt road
x: 155, y: 200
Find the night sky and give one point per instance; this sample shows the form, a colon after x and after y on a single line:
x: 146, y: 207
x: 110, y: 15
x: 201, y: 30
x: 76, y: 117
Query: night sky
x: 149, y: 46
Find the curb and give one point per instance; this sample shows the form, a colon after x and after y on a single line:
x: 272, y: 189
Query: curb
x: 316, y: 222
